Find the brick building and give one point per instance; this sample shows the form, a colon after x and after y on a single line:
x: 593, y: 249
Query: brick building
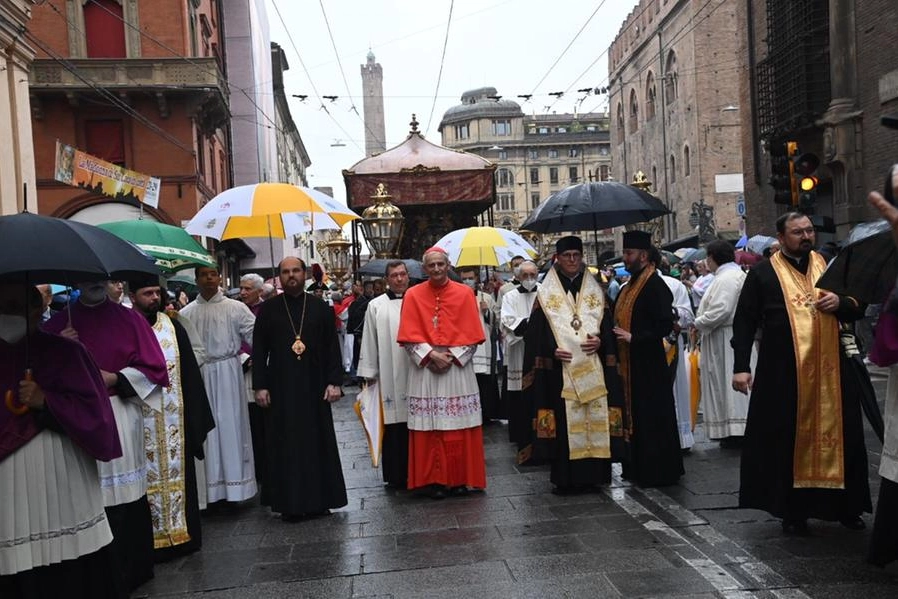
x: 821, y: 74
x: 139, y: 84
x: 674, y: 79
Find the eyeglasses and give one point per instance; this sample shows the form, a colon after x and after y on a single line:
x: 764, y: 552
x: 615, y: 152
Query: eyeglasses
x: 571, y: 255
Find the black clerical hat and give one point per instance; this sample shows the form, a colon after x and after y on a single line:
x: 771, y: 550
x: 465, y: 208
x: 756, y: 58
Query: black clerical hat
x: 637, y: 240
x: 568, y: 243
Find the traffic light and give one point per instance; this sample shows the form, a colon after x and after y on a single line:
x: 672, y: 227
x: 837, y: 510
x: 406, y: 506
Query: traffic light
x: 804, y: 167
x: 782, y: 173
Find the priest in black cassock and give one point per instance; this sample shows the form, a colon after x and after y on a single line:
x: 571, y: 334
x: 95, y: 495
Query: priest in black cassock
x: 177, y: 431
x: 803, y: 455
x: 576, y: 421
x: 297, y: 373
x: 643, y: 318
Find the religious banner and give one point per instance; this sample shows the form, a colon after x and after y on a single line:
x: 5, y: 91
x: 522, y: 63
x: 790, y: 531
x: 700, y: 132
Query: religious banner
x: 77, y: 168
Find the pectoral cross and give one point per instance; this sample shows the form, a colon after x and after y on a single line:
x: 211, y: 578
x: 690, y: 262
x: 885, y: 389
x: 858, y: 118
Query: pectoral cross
x: 298, y: 347
x: 436, y: 320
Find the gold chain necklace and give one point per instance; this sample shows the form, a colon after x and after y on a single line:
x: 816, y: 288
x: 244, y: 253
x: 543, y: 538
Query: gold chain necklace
x: 298, y: 346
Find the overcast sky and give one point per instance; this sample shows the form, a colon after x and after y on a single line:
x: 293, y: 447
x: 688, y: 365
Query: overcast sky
x: 511, y: 45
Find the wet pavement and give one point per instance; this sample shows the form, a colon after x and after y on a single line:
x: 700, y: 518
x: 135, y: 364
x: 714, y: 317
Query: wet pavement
x: 518, y: 540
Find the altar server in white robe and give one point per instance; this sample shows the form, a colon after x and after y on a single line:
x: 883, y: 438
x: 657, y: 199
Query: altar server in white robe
x: 484, y: 358
x: 724, y: 409
x: 385, y: 362
x: 684, y: 318
x: 223, y: 325
x: 517, y: 304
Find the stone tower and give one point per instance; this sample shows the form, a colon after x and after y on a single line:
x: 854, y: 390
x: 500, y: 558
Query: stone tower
x: 373, y: 92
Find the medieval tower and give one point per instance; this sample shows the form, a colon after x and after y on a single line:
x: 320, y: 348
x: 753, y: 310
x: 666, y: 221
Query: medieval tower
x: 373, y: 99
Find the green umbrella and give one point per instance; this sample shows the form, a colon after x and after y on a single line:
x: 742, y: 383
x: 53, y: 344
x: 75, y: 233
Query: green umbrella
x: 172, y: 247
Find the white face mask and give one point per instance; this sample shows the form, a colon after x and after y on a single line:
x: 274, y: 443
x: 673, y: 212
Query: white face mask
x: 470, y: 283
x: 12, y: 327
x: 528, y: 284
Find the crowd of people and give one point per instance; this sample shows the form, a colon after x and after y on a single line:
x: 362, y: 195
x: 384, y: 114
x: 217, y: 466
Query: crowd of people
x: 146, y: 409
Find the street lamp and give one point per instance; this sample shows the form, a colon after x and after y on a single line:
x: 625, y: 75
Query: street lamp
x: 335, y: 250
x: 654, y: 227
x: 383, y: 224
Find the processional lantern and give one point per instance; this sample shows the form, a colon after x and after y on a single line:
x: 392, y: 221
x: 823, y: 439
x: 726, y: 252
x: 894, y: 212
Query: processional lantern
x: 335, y: 251
x: 382, y: 224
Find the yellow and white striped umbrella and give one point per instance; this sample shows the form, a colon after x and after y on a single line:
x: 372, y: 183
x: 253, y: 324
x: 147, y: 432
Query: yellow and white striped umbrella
x: 484, y: 246
x: 277, y: 210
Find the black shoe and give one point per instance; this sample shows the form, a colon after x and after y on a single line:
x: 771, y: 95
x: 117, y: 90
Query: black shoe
x: 458, y: 491
x: 853, y: 523
x: 438, y: 493
x: 795, y: 526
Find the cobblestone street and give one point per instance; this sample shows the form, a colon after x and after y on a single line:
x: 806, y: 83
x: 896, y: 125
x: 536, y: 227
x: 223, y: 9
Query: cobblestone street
x: 519, y: 540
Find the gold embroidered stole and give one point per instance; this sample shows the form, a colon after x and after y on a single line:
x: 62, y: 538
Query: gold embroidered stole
x: 164, y: 443
x: 818, y: 460
x: 583, y: 390
x: 623, y: 318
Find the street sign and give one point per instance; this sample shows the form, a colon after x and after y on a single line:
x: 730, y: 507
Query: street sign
x: 740, y: 205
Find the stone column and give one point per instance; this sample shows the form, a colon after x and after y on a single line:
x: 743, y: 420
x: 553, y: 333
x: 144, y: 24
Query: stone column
x: 842, y: 120
x: 17, y: 151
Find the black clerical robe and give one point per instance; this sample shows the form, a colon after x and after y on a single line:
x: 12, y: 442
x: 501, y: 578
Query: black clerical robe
x: 198, y: 421
x: 766, y: 477
x: 304, y: 475
x: 653, y: 442
x: 542, y: 385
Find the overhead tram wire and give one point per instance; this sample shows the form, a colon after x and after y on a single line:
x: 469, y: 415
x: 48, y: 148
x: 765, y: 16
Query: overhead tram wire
x: 309, y: 76
x: 568, y: 47
x: 352, y: 105
x: 442, y: 62
x: 115, y: 100
x: 682, y: 32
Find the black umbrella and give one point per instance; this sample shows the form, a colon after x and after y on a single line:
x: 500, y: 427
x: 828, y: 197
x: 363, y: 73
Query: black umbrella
x: 594, y: 206
x: 866, y: 268
x: 42, y: 249
x: 378, y: 267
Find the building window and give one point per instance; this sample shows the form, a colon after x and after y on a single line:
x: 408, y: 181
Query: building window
x: 104, y: 29
x: 561, y: 130
x: 553, y: 175
x: 543, y: 130
x: 573, y: 152
x: 504, y: 178
x: 501, y: 127
x: 620, y: 122
x: 503, y: 155
x: 573, y: 174
x: 650, y: 96
x: 604, y: 150
x: 670, y: 77
x: 200, y: 153
x: 673, y: 169
x: 462, y: 131
x: 553, y: 152
x: 534, y: 200
x: 105, y: 139
x: 534, y: 176
x: 603, y: 172
x: 506, y: 202
x: 634, y: 111
x: 686, y: 167
x: 533, y: 154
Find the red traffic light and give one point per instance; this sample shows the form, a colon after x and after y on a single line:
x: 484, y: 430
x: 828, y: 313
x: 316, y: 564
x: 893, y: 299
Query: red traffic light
x: 806, y: 164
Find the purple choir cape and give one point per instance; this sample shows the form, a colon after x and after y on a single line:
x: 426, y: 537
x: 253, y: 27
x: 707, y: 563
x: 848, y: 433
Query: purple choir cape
x: 74, y: 390
x: 116, y: 337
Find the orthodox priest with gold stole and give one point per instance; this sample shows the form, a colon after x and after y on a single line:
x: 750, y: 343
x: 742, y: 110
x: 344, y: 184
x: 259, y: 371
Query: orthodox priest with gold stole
x: 564, y: 376
x: 803, y: 455
x: 643, y: 317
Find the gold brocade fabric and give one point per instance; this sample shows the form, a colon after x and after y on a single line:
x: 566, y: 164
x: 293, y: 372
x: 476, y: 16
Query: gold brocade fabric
x: 623, y: 318
x: 818, y: 460
x: 584, y: 391
x: 163, y: 435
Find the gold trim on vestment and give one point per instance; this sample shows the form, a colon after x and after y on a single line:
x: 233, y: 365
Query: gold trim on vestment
x: 583, y: 389
x: 623, y: 318
x: 166, y: 454
x: 818, y: 461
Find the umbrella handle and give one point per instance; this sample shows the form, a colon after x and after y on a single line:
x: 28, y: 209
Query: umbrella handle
x: 10, y: 398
